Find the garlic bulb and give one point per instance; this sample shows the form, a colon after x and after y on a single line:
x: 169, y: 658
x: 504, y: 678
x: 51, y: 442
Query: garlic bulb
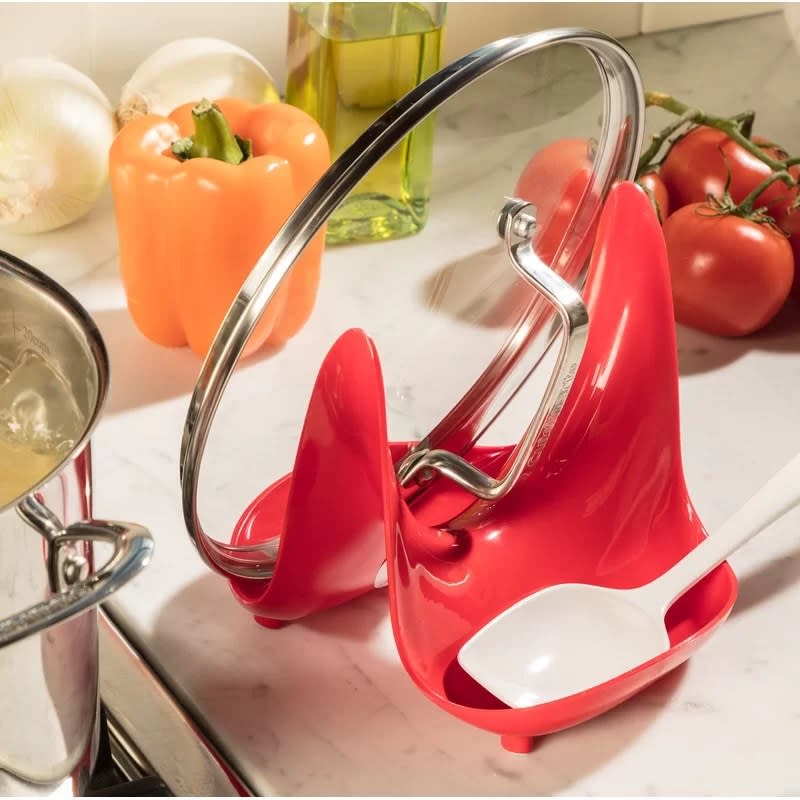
x: 187, y: 70
x: 56, y: 127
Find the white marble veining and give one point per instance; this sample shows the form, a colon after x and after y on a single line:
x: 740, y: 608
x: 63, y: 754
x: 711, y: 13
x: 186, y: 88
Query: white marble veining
x: 324, y: 706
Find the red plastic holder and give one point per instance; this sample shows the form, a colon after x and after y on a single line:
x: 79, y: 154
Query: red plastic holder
x: 594, y: 489
x: 605, y: 502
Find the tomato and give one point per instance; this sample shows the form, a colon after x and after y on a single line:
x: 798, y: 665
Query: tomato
x: 788, y: 220
x: 657, y: 192
x: 697, y: 165
x: 555, y: 181
x: 730, y: 276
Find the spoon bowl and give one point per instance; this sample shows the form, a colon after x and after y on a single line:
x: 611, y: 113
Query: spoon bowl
x: 570, y: 637
x: 537, y: 651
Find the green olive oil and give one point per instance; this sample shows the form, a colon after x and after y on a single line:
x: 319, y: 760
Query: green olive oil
x: 347, y: 63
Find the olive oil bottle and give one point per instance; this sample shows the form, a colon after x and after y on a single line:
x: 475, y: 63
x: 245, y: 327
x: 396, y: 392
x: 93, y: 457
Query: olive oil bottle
x: 347, y: 63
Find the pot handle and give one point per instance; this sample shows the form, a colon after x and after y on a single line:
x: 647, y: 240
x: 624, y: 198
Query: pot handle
x: 133, y: 548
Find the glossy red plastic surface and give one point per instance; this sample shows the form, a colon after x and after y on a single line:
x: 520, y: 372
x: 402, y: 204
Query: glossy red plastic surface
x: 330, y: 511
x: 605, y: 504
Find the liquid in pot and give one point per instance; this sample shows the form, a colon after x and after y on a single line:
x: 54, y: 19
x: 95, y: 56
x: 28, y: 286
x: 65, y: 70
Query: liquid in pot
x: 39, y: 423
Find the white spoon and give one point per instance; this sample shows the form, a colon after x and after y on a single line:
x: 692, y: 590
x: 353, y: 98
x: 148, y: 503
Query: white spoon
x: 570, y: 637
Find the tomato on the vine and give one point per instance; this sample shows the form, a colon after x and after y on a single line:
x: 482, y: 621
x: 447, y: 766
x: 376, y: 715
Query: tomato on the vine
x: 657, y: 192
x: 555, y: 181
x: 698, y: 163
x: 788, y: 220
x: 730, y: 275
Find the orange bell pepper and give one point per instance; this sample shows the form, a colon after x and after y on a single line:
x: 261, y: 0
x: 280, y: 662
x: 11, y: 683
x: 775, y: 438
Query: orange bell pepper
x: 191, y: 230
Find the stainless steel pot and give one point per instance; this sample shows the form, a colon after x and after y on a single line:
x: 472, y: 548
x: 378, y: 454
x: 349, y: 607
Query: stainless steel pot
x: 53, y: 383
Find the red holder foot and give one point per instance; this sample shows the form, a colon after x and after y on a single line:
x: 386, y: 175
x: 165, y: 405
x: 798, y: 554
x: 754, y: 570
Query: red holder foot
x: 516, y: 743
x: 274, y: 624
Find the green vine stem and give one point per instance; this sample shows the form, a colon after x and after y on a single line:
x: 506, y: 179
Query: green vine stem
x: 724, y: 205
x: 745, y: 120
x: 737, y: 128
x: 745, y: 208
x: 656, y: 142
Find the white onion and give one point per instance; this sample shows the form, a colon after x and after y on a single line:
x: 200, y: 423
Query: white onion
x: 187, y: 70
x: 56, y: 128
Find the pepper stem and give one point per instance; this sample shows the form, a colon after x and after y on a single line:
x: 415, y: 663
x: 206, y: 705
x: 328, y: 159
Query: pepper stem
x: 213, y: 137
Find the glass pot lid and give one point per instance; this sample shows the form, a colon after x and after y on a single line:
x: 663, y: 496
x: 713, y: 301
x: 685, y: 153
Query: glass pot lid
x: 478, y: 318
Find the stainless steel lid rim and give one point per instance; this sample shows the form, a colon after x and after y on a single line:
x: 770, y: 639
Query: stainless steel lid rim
x: 623, y: 95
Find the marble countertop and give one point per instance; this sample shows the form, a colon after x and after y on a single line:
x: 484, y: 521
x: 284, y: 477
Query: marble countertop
x: 324, y: 706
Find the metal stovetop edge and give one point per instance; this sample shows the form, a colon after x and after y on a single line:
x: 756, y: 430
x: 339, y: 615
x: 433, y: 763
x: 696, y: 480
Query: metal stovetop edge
x: 158, y: 729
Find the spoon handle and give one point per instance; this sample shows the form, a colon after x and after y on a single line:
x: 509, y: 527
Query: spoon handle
x: 779, y: 495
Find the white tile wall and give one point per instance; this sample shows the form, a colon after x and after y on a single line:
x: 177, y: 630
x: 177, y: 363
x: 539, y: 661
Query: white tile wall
x: 663, y: 16
x: 470, y: 25
x: 108, y: 40
x: 57, y: 29
x: 260, y: 28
